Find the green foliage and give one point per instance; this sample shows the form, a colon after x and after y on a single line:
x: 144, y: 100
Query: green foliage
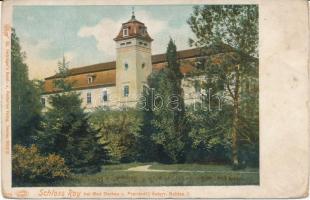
x: 209, y: 134
x: 168, y: 124
x: 26, y: 106
x: 62, y: 83
x: 120, y: 130
x: 68, y: 133
x: 249, y: 127
x: 29, y: 166
x: 235, y: 26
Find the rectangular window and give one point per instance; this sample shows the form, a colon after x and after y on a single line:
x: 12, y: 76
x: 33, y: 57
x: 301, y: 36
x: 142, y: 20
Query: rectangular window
x: 126, y: 91
x: 43, y: 102
x: 104, y: 95
x: 125, y: 32
x: 88, y: 98
x: 128, y: 42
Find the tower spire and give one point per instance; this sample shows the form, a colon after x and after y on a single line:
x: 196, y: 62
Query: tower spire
x: 133, y: 13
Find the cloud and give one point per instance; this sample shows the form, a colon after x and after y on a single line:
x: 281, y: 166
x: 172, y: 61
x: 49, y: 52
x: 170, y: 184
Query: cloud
x: 180, y: 36
x: 107, y: 29
x: 38, y: 67
x: 154, y: 26
x: 103, y: 32
x: 42, y: 65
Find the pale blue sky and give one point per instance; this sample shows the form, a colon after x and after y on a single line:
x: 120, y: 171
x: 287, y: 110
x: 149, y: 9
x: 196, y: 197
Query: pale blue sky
x: 85, y: 33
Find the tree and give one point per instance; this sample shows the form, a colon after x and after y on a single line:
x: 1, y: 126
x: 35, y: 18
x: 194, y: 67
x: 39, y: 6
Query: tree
x: 208, y: 134
x: 26, y: 106
x: 233, y: 26
x: 67, y: 131
x: 148, y: 149
x: 120, y: 131
x: 62, y: 83
x: 169, y: 119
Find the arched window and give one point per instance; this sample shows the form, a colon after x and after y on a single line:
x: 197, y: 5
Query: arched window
x: 143, y: 65
x: 89, y: 79
x: 126, y: 66
x: 104, y: 95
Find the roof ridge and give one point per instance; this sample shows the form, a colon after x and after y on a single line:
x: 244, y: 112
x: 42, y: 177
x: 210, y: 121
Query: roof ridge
x: 109, y: 65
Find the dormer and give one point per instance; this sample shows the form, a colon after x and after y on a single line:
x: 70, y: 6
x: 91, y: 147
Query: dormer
x: 90, y: 78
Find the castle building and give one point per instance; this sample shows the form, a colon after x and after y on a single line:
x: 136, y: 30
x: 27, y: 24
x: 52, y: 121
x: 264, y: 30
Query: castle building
x: 121, y: 82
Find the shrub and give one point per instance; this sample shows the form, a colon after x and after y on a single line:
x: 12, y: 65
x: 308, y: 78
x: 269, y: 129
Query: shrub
x: 29, y: 166
x: 120, y: 130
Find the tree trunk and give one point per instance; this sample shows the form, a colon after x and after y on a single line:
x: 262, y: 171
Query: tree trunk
x: 234, y: 134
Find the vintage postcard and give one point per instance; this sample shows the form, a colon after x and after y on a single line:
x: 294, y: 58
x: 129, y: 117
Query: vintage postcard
x: 154, y: 99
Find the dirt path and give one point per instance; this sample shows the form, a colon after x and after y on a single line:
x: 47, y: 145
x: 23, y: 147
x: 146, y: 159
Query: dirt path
x: 145, y: 168
x: 142, y: 168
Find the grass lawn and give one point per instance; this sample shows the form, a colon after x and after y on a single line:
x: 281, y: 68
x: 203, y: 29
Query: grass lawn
x: 116, y: 175
x: 199, y: 167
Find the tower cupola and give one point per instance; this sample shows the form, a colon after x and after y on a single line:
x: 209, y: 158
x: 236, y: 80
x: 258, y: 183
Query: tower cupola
x: 133, y: 29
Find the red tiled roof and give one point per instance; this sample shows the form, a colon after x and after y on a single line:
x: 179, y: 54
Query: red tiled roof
x: 105, y: 73
x: 159, y: 58
x: 189, y: 53
x: 135, y: 29
x: 80, y: 81
x: 89, y: 69
x: 185, y: 68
